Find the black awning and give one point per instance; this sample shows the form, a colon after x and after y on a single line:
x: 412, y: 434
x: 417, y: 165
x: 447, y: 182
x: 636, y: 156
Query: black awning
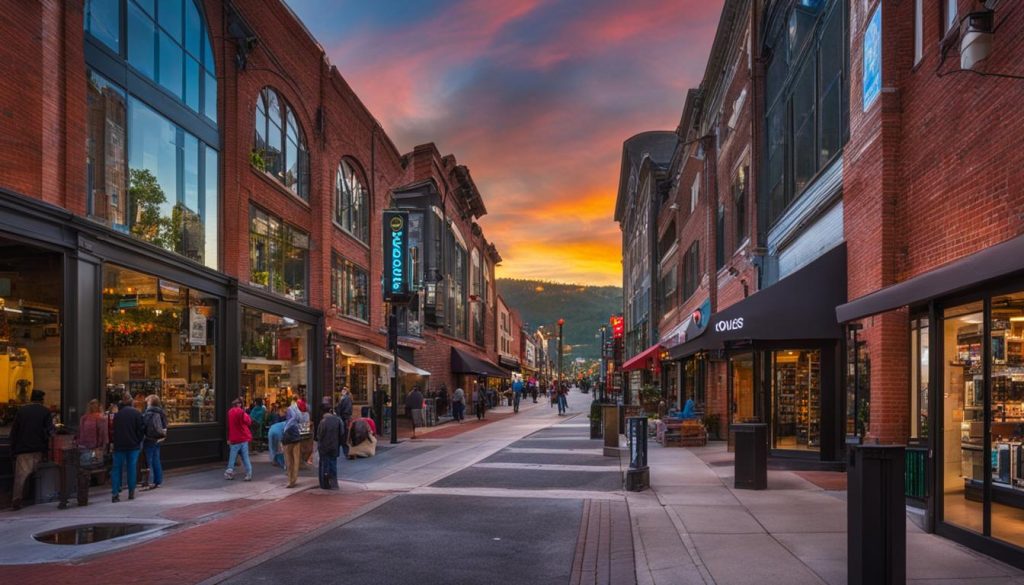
x: 511, y: 365
x: 467, y: 363
x: 801, y: 306
x: 998, y: 261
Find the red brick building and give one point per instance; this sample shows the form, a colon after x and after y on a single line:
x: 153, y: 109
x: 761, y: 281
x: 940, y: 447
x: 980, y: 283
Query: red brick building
x: 879, y: 296
x: 190, y: 206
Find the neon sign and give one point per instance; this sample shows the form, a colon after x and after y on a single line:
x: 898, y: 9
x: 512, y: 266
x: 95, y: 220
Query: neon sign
x: 396, y: 255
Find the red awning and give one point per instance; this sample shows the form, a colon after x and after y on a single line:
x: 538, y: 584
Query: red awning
x: 642, y: 360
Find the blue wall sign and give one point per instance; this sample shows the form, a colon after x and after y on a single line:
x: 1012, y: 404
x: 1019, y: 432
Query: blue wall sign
x: 396, y: 255
x: 873, y: 58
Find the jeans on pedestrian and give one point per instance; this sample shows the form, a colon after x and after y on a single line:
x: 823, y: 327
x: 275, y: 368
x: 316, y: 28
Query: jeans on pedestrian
x: 515, y: 401
x: 156, y: 469
x: 243, y: 450
x: 328, y: 470
x: 458, y: 410
x: 562, y: 404
x: 124, y: 461
x: 344, y: 443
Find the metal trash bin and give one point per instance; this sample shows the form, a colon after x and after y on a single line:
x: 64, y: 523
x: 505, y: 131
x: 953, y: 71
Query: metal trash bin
x: 751, y: 461
x: 638, y: 477
x: 876, y: 516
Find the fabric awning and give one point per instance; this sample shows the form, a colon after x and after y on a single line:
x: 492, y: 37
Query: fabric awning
x: 998, y: 261
x: 508, y: 364
x: 799, y: 307
x: 407, y: 368
x: 466, y: 363
x: 641, y: 360
x: 364, y: 353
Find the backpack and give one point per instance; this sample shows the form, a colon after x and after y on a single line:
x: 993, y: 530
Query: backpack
x: 291, y: 435
x: 154, y: 431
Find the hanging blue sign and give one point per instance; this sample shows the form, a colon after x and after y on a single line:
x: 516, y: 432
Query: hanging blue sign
x: 396, y: 255
x: 873, y: 58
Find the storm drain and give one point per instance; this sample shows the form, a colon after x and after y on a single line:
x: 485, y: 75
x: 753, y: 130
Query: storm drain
x: 90, y: 533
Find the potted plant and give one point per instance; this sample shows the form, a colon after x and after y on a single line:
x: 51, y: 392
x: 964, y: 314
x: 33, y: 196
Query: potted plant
x: 595, y: 420
x: 256, y: 159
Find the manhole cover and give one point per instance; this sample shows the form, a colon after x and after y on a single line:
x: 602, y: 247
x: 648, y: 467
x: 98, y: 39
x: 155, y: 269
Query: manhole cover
x: 90, y: 533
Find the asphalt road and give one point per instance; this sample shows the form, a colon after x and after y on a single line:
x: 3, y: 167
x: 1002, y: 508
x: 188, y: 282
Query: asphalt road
x: 464, y: 537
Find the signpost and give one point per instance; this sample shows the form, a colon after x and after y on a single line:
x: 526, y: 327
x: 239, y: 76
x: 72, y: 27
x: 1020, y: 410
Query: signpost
x: 397, y: 287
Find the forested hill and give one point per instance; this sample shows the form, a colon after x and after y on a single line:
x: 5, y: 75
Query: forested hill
x: 584, y: 308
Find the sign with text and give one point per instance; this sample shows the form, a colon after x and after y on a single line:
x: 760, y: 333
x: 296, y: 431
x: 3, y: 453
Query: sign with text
x: 618, y: 327
x: 396, y: 255
x: 873, y: 59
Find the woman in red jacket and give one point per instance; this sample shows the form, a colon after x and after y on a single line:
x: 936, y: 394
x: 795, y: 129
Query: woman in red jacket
x: 239, y: 435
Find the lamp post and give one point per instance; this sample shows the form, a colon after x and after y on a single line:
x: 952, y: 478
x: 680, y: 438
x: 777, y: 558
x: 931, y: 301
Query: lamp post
x: 561, y: 322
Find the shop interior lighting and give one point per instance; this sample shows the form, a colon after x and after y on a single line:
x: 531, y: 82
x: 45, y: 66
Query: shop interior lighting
x: 1017, y: 319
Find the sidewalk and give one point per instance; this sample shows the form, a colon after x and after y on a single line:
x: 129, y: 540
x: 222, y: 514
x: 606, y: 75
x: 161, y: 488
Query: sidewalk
x: 693, y: 527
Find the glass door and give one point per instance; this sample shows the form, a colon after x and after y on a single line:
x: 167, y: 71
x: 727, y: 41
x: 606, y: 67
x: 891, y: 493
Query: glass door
x: 742, y: 407
x: 1007, y: 418
x: 796, y: 399
x: 963, y: 421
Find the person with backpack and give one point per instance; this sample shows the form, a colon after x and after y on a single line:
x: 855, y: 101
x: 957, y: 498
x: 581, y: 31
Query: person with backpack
x: 155, y: 420
x: 239, y: 435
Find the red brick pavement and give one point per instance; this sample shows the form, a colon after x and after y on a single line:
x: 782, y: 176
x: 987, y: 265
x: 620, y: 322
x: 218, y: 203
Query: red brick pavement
x: 452, y: 429
x: 826, y: 480
x: 193, y: 554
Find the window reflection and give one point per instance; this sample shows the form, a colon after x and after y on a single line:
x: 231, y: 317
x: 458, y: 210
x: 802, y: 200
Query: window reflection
x: 1007, y: 418
x: 278, y: 255
x: 351, y: 205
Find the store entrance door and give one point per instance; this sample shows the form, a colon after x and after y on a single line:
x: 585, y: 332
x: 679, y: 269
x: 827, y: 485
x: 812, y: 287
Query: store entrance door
x: 796, y: 399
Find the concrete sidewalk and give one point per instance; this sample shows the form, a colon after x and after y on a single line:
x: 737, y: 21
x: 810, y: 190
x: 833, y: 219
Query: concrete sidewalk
x: 693, y: 527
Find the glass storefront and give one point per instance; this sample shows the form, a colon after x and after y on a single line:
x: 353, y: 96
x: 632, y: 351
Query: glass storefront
x: 275, y: 358
x: 159, y: 338
x: 796, y: 399
x: 31, y: 285
x: 693, y: 382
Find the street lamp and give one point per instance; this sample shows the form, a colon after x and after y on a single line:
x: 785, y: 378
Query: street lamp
x: 561, y: 322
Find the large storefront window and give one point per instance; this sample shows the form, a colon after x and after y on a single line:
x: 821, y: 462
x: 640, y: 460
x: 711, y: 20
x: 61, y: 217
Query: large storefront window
x: 796, y: 399
x: 963, y: 466
x: 275, y: 358
x: 350, y: 289
x: 148, y: 176
x: 1007, y: 416
x: 31, y: 285
x: 159, y: 339
x: 693, y: 382
x: 278, y: 255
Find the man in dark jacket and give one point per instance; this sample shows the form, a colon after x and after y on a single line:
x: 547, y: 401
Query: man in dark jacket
x: 414, y: 404
x: 30, y: 439
x: 129, y: 432
x: 344, y: 412
x: 329, y: 436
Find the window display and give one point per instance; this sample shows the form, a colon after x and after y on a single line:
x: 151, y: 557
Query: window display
x: 31, y: 283
x: 278, y: 255
x: 275, y: 354
x: 159, y: 338
x: 1007, y: 418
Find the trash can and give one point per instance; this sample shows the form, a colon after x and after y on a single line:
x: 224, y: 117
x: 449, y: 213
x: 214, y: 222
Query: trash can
x: 876, y: 539
x: 751, y: 461
x: 638, y: 475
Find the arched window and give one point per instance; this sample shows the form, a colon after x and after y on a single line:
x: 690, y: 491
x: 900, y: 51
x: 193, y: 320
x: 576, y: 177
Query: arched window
x: 280, y: 145
x: 152, y: 141
x: 351, y: 202
x: 476, y: 307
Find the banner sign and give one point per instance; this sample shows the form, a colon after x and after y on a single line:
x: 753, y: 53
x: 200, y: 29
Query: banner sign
x: 618, y: 327
x: 873, y: 59
x: 396, y: 255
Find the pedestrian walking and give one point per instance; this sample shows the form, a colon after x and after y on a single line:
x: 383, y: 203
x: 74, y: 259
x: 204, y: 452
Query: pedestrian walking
x: 239, y: 435
x: 414, y: 405
x: 563, y: 404
x: 479, y: 402
x: 344, y: 412
x: 30, y: 439
x: 517, y: 395
x: 459, y: 405
x: 292, y: 441
x: 306, y: 430
x: 330, y: 435
x: 155, y: 420
x: 93, y: 432
x: 129, y: 433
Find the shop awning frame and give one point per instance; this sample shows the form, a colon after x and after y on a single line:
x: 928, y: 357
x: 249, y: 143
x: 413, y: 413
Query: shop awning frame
x: 407, y: 368
x: 799, y: 307
x: 466, y: 363
x: 640, y: 360
x: 997, y: 261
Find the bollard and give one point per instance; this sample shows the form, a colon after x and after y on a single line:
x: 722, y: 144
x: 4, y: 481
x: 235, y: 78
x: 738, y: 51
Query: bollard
x: 610, y: 419
x: 751, y: 460
x: 638, y: 476
x: 876, y: 540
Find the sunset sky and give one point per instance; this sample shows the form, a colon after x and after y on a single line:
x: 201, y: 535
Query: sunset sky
x: 535, y: 96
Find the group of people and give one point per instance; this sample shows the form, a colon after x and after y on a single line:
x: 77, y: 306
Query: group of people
x: 291, y: 437
x: 122, y: 434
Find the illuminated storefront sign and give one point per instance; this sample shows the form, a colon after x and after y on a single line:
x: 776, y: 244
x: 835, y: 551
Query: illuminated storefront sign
x: 396, y: 255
